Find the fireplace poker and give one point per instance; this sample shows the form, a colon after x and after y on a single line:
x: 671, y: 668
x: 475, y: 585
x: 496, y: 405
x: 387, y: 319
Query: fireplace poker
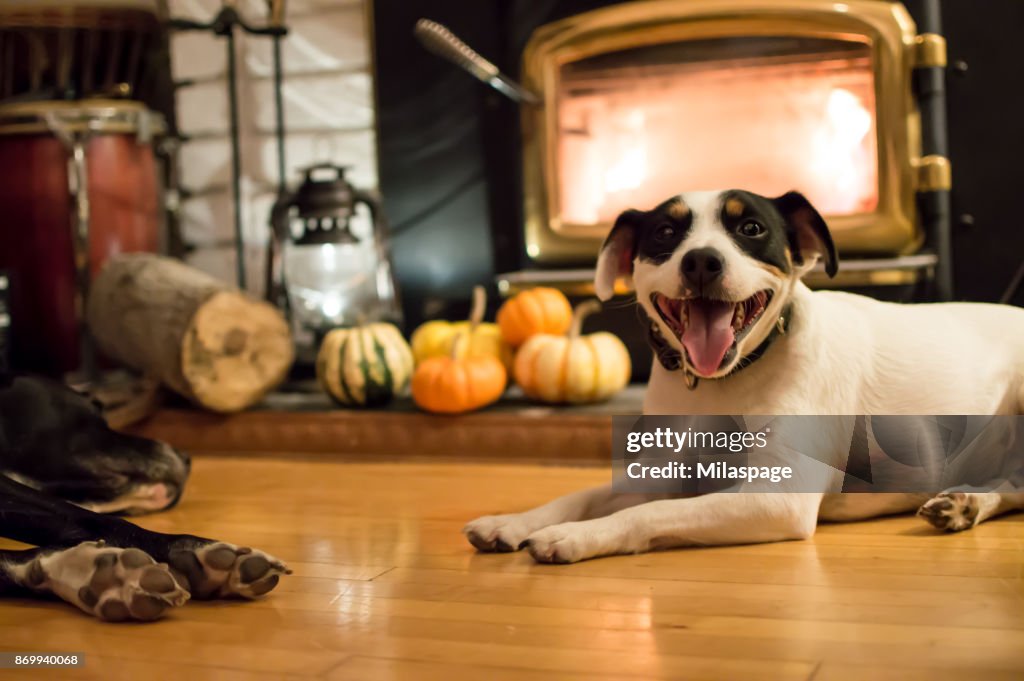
x: 442, y: 42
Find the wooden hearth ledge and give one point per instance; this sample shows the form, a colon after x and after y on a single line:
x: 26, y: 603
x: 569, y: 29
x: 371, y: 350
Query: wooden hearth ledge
x: 309, y: 425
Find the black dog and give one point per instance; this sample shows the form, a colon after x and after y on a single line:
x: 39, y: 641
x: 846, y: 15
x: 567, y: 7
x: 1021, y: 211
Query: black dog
x: 59, y: 464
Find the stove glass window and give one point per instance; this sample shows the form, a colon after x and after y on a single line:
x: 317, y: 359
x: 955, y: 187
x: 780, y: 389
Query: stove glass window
x: 768, y: 114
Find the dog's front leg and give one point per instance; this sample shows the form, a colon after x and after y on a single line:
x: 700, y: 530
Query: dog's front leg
x: 507, y: 532
x: 740, y: 518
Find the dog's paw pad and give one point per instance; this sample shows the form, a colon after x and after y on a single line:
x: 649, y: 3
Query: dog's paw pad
x: 951, y: 511
x: 113, y: 584
x: 220, y: 570
x: 495, y: 533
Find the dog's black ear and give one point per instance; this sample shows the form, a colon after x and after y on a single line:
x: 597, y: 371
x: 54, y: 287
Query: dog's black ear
x: 616, y: 258
x: 808, y: 233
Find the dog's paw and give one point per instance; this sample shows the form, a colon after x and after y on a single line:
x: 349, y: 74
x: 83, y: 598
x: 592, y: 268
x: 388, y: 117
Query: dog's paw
x: 221, y: 570
x: 565, y: 543
x: 112, y: 584
x: 951, y: 511
x: 501, y: 533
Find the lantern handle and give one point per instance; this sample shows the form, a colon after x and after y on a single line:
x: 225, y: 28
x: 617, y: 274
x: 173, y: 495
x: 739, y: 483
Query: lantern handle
x: 339, y: 170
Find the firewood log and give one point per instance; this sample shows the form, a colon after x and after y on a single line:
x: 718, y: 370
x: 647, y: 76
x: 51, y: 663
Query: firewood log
x: 200, y: 337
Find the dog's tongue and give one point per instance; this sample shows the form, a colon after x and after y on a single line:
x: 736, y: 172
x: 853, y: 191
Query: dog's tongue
x: 708, y: 334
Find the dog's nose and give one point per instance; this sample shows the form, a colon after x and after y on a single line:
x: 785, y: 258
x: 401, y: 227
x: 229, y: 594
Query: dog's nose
x: 701, y: 266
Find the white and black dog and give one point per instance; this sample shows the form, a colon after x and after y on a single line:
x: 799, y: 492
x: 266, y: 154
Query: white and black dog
x: 735, y: 331
x: 59, y: 462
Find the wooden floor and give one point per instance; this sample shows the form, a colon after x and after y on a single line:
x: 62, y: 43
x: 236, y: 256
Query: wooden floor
x: 385, y: 587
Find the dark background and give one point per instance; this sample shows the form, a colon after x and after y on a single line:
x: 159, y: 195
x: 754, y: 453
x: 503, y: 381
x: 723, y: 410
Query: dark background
x: 450, y: 158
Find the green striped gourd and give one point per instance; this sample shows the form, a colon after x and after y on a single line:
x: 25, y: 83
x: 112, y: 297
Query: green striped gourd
x: 364, y: 366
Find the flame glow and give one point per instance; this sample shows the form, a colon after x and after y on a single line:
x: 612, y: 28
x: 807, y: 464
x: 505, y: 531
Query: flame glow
x: 629, y: 170
x: 633, y: 135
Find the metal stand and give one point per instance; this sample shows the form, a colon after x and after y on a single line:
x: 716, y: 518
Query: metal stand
x: 224, y: 24
x: 275, y: 261
x: 934, y: 203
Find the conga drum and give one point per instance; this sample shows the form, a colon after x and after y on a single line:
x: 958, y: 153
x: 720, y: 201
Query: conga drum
x: 78, y: 184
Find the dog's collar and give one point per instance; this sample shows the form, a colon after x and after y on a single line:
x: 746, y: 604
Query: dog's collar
x: 672, y: 359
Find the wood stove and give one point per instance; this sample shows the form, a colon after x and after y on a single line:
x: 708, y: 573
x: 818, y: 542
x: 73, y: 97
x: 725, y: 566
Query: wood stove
x: 642, y: 100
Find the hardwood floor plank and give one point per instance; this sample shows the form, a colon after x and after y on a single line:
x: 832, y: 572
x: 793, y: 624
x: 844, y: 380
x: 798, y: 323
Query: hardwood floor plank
x: 360, y: 668
x: 157, y: 645
x: 844, y: 672
x: 108, y: 668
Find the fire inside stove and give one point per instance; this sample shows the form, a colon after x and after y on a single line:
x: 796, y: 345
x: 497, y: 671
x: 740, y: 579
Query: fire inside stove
x: 768, y: 114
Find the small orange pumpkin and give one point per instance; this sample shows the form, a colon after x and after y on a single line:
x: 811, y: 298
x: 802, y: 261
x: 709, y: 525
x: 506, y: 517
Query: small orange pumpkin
x: 538, y: 310
x: 457, y: 383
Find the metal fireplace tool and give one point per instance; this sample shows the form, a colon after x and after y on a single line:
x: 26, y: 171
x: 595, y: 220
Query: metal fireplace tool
x: 225, y: 25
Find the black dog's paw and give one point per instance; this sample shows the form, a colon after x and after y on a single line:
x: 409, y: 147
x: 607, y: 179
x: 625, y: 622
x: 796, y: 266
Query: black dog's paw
x: 221, y: 570
x: 109, y: 583
x: 951, y: 511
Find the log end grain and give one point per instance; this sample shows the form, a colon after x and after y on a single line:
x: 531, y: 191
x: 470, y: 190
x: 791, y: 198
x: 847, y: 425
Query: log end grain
x: 235, y: 350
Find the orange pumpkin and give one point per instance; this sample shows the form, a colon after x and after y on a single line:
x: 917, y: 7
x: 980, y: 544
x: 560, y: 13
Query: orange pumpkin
x: 457, y: 383
x: 538, y: 310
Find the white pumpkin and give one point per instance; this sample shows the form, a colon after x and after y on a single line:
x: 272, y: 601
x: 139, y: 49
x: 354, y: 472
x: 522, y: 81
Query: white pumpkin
x: 572, y: 368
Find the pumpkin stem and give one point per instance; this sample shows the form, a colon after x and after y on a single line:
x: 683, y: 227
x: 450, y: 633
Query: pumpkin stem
x: 582, y: 311
x: 478, y: 308
x: 476, y: 315
x: 456, y: 340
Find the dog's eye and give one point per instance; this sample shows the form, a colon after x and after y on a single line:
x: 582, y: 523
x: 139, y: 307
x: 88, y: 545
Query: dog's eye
x: 751, y: 228
x: 664, y: 232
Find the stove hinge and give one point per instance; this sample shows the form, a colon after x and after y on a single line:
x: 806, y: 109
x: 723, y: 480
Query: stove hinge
x: 929, y: 51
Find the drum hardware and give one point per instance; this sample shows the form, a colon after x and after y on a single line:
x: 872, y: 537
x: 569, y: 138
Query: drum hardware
x: 225, y: 24
x: 78, y: 186
x: 5, y: 322
x: 174, y: 242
